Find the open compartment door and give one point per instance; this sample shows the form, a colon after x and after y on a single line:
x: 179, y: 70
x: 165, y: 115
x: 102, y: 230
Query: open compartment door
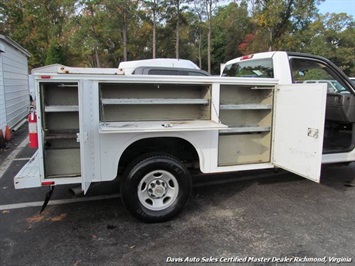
x: 299, y: 115
x: 86, y: 135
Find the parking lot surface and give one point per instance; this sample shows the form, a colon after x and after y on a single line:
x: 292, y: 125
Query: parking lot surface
x: 262, y: 218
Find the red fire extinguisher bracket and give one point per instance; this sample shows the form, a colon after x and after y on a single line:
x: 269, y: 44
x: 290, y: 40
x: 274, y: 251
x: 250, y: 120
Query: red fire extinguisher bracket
x: 32, y: 128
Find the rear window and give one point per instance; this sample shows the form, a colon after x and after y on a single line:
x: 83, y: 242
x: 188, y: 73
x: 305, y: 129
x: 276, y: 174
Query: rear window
x: 195, y: 73
x: 262, y: 68
x: 163, y: 72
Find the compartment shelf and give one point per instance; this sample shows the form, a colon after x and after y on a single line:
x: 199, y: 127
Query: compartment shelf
x: 61, y: 136
x: 234, y: 130
x: 153, y: 101
x: 245, y: 107
x: 61, y: 108
x: 156, y: 126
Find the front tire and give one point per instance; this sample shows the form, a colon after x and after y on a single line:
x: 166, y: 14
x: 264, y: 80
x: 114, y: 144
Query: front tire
x: 155, y: 188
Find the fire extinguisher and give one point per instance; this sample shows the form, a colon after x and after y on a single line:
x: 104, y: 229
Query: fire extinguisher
x: 32, y: 128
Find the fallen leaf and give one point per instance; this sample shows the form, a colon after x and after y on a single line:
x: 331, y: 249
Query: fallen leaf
x: 35, y: 219
x: 58, y: 218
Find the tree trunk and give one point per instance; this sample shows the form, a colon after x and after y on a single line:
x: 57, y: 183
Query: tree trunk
x: 209, y: 17
x: 177, y: 40
x: 97, y: 59
x: 177, y: 30
x: 124, y: 35
x: 209, y: 47
x: 199, y: 50
x: 154, y: 33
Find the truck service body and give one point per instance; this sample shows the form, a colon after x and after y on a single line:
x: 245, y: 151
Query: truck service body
x: 95, y: 125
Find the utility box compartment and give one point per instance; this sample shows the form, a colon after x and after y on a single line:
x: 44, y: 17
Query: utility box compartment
x: 154, y: 102
x: 60, y: 126
x: 248, y: 113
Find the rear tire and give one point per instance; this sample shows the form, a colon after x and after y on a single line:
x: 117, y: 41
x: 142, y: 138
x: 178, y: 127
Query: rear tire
x: 155, y: 188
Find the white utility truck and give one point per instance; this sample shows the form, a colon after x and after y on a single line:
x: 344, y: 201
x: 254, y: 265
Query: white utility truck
x: 151, y: 131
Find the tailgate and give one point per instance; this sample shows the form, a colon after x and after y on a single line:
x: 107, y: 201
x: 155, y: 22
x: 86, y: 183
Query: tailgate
x: 29, y: 175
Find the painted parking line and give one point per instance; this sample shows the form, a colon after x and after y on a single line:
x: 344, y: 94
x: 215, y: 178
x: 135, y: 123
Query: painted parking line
x: 56, y: 202
x: 6, y: 164
x: 21, y: 159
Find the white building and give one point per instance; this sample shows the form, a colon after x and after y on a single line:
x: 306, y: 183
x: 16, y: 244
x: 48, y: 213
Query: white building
x: 14, y: 92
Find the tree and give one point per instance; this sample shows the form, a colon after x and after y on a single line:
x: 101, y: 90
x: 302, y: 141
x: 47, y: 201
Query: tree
x: 275, y: 19
x: 101, y: 33
x: 329, y: 35
x: 88, y: 31
x: 173, y: 14
x: 36, y: 24
x: 154, y: 7
x: 55, y: 55
x: 197, y: 28
x: 122, y: 13
x: 209, y: 6
x: 231, y: 25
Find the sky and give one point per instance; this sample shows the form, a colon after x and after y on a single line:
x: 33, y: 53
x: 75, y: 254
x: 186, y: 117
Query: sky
x: 338, y: 6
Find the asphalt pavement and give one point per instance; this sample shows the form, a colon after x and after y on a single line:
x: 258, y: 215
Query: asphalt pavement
x: 250, y: 218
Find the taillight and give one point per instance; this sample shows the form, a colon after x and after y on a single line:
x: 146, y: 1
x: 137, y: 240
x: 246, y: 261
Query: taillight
x: 245, y: 57
x: 48, y: 183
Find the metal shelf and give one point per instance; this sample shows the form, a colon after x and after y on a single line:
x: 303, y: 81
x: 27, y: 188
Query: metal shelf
x: 245, y: 107
x: 137, y: 101
x: 61, y: 136
x: 61, y: 108
x: 236, y: 130
x: 157, y: 126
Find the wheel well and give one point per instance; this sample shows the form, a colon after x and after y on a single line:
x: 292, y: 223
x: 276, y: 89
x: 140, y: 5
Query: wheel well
x: 179, y: 148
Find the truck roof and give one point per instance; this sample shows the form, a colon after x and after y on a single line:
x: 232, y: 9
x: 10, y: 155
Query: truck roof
x: 129, y: 66
x: 251, y: 56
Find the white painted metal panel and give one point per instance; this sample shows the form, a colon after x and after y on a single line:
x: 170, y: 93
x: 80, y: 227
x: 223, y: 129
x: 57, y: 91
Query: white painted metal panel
x: 2, y: 97
x: 87, y: 134
x: 15, y: 82
x: 298, y: 129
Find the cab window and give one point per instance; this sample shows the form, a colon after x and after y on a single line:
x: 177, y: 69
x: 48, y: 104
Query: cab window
x: 262, y: 68
x: 312, y: 71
